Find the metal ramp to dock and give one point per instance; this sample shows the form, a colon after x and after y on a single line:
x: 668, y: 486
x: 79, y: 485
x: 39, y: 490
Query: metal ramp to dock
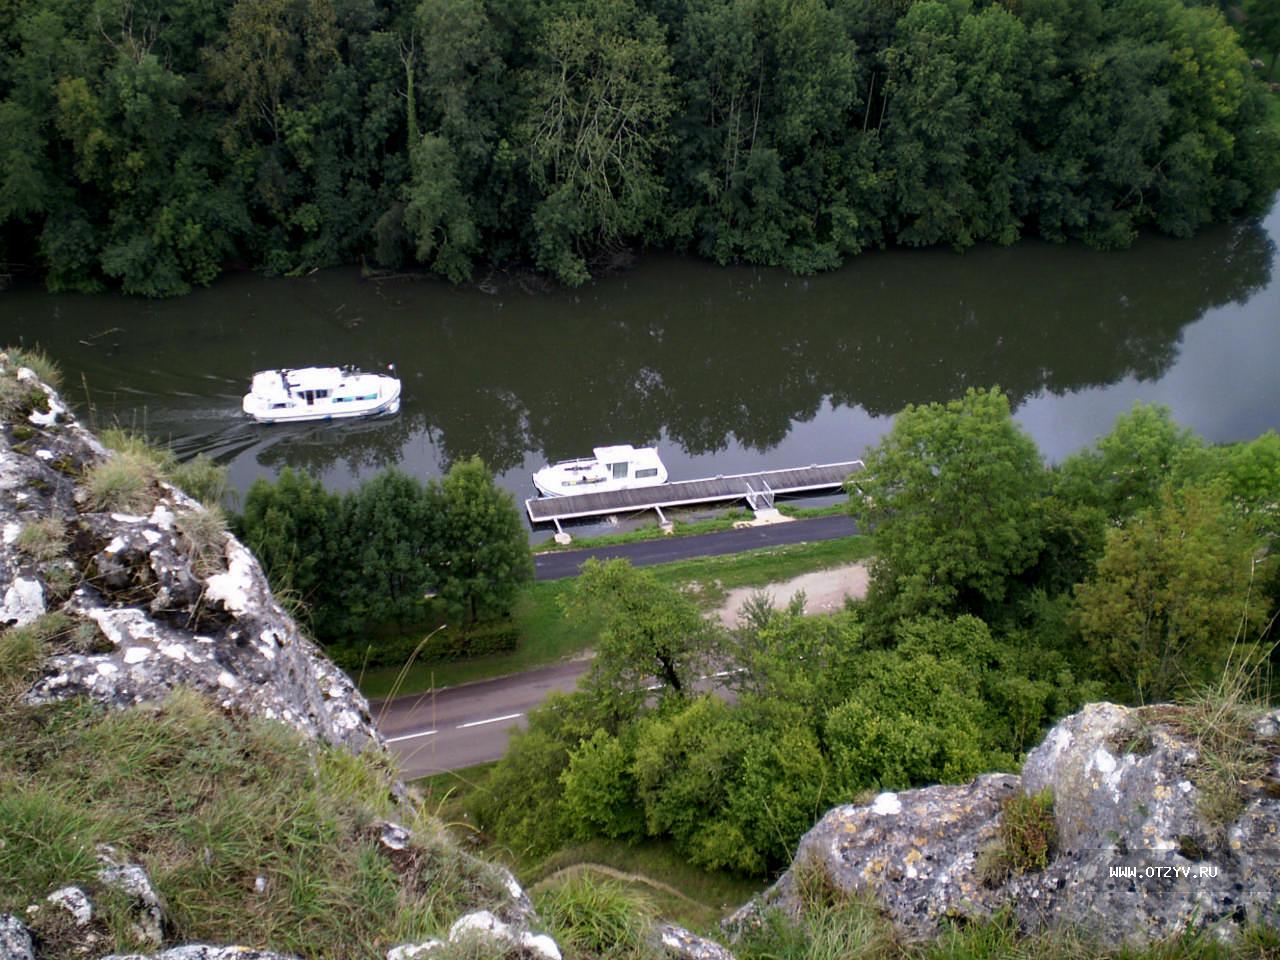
x: 758, y: 489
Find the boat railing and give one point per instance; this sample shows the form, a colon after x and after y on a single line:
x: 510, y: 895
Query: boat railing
x: 579, y: 464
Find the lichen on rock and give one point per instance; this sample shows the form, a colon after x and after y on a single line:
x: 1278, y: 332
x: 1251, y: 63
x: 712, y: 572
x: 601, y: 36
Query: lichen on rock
x: 168, y: 626
x: 1135, y: 860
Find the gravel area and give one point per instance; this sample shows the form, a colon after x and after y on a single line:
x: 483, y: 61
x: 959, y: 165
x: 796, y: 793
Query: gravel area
x: 824, y: 591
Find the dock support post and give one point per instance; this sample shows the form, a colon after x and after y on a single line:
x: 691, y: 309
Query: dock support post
x: 561, y: 537
x: 665, y: 525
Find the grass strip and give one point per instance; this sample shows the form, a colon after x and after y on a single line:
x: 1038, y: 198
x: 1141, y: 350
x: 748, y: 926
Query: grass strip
x: 547, y: 637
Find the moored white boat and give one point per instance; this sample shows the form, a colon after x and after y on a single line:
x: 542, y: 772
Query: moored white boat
x: 621, y: 467
x: 320, y: 393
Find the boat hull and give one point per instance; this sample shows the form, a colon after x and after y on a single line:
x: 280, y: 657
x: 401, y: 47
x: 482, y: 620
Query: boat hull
x: 572, y: 477
x: 378, y: 396
x: 386, y: 409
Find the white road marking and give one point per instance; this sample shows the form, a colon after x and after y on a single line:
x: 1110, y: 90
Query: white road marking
x: 412, y: 736
x: 480, y: 723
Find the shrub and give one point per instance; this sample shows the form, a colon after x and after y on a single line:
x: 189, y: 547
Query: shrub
x: 201, y: 478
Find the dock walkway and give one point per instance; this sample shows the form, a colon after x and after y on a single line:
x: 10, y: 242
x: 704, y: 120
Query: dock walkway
x: 758, y: 489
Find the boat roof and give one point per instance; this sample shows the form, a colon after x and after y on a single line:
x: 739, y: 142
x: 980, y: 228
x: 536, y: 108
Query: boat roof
x: 310, y: 378
x: 624, y: 451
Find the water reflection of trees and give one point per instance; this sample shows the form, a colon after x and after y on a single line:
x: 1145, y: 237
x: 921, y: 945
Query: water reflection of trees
x: 708, y: 356
x: 713, y: 356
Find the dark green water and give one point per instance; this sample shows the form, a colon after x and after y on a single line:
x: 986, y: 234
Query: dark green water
x: 727, y: 370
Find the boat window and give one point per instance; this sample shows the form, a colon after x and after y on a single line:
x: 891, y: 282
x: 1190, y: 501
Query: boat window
x: 278, y: 406
x: 619, y: 470
x: 646, y: 472
x: 321, y: 394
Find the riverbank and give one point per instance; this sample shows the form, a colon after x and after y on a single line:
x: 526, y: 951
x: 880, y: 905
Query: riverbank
x: 546, y: 636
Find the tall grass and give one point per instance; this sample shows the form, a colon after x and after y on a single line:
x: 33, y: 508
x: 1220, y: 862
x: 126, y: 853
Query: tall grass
x: 209, y: 804
x: 592, y: 917
x: 38, y: 362
x: 42, y: 540
x: 125, y: 483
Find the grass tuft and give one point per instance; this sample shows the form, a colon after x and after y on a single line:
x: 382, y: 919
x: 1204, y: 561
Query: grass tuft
x: 204, y: 539
x: 208, y: 804
x: 38, y: 362
x: 125, y: 483
x: 1027, y: 839
x: 1220, y: 719
x: 595, y: 917
x: 200, y: 478
x: 43, y: 540
x: 24, y: 648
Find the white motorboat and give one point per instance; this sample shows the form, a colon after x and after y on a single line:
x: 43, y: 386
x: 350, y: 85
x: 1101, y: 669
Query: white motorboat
x: 622, y: 467
x: 321, y: 393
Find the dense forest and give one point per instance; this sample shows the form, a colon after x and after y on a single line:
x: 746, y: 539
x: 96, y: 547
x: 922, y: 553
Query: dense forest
x: 1004, y: 595
x: 152, y: 144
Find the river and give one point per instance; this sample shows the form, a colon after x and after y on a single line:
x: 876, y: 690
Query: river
x: 726, y: 369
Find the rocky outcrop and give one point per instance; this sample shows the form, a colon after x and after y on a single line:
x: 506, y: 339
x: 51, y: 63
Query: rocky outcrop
x: 916, y: 850
x: 1137, y: 856
x: 151, y: 614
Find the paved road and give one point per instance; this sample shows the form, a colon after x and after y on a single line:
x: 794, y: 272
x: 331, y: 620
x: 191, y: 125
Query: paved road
x: 560, y: 564
x: 460, y: 726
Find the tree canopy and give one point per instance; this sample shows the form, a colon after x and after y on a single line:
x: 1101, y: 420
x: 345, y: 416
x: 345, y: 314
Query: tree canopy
x: 148, y: 145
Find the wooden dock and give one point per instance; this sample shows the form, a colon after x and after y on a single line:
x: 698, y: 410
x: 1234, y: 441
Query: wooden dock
x: 758, y: 489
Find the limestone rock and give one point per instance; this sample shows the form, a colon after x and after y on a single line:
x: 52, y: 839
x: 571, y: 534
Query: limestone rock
x: 203, y: 951
x: 413, y: 951
x: 483, y: 925
x: 162, y: 622
x: 1135, y: 860
x: 75, y: 901
x: 15, y: 942
x: 915, y: 851
x: 132, y: 880
x: 679, y: 944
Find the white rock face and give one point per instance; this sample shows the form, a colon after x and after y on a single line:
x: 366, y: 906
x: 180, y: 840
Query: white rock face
x: 1135, y: 860
x: 23, y: 602
x: 131, y: 879
x: 204, y: 951
x: 484, y: 925
x: 163, y: 625
x: 75, y: 901
x: 15, y: 942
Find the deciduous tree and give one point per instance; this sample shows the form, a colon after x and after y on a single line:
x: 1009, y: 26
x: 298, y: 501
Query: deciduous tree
x: 951, y: 493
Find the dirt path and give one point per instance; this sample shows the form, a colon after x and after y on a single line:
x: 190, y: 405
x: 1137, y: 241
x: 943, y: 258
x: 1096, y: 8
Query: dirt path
x: 824, y: 591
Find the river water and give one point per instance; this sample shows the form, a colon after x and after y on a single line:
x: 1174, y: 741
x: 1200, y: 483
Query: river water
x: 726, y: 369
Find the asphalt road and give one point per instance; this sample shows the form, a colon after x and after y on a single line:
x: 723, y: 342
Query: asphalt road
x: 461, y: 726
x: 559, y: 564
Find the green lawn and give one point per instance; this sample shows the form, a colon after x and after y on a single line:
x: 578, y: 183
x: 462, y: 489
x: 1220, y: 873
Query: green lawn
x: 547, y: 637
x: 683, y: 894
x: 650, y: 530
